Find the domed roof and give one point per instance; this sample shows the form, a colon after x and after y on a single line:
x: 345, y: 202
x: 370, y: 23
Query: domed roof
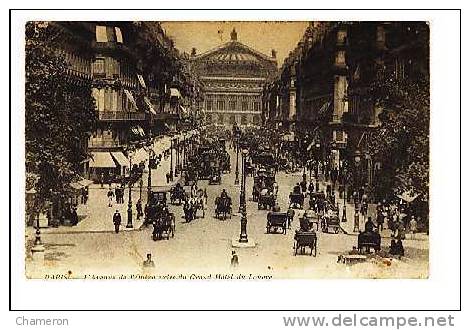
x: 234, y: 51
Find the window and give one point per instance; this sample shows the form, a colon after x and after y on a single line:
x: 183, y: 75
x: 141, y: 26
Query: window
x: 340, y: 57
x: 98, y: 66
x: 244, y: 106
x: 232, y: 105
x: 101, y: 35
x: 209, y: 105
x: 221, y: 105
x: 98, y: 95
x: 118, y: 35
x: 256, y: 106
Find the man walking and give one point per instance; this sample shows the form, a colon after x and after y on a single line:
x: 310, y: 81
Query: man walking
x: 110, y: 196
x: 138, y: 206
x: 117, y: 221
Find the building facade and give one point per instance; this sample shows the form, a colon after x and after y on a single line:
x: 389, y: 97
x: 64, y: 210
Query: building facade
x: 232, y: 77
x: 323, y: 89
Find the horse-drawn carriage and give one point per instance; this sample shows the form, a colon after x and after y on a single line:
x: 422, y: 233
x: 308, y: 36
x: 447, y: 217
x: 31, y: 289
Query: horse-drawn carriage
x: 312, y: 218
x: 305, y: 239
x: 317, y: 201
x: 266, y: 199
x: 296, y: 200
x: 193, y: 204
x: 215, y: 177
x: 223, y: 207
x: 164, y: 226
x: 225, y: 162
x: 177, y: 194
x: 275, y: 220
x: 265, y: 180
x: 367, y: 240
x: 330, y: 221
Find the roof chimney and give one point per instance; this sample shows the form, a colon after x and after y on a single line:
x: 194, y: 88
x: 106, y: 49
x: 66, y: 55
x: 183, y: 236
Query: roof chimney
x: 193, y: 51
x: 273, y: 53
x: 233, y: 35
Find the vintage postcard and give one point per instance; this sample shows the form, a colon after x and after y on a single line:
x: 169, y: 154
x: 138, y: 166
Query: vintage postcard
x: 226, y: 150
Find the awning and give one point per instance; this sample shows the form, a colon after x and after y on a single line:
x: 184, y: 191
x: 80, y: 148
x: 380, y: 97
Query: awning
x: 150, y: 105
x: 408, y: 196
x: 139, y: 156
x: 137, y: 130
x: 175, y: 92
x: 130, y: 97
x: 324, y: 108
x: 141, y: 81
x: 102, y: 160
x: 85, y: 182
x: 120, y: 158
x: 76, y: 185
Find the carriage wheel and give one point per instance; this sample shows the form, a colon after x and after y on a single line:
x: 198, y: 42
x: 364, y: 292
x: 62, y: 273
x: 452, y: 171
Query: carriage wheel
x: 315, y: 247
x: 336, y: 230
x: 295, y: 249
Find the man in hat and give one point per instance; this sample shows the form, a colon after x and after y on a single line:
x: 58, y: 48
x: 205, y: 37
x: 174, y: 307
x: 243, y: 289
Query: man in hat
x: 117, y: 221
x: 149, y: 262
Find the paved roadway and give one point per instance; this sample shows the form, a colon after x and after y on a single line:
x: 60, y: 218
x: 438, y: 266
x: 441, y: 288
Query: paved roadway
x: 204, y: 245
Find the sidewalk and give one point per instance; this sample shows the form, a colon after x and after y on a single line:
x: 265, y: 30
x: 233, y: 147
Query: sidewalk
x: 97, y: 216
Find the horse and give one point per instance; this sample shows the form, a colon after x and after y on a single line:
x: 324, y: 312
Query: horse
x: 223, y: 207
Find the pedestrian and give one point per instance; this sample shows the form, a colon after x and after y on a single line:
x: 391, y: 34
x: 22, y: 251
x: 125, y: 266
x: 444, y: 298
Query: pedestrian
x: 380, y: 220
x: 290, y: 216
x: 234, y: 260
x: 311, y: 187
x: 74, y: 216
x: 413, y: 227
x: 110, y: 196
x: 117, y: 221
x: 102, y: 179
x: 138, y: 207
x: 149, y: 262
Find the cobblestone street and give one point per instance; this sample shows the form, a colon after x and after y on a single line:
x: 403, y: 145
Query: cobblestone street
x: 204, y: 245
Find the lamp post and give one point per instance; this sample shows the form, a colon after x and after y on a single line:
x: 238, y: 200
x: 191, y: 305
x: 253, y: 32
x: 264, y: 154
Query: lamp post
x: 171, y: 159
x: 177, y: 158
x: 129, y: 204
x: 237, y: 181
x: 141, y: 183
x: 243, y: 221
x: 343, y: 175
x: 357, y: 163
x: 149, y: 178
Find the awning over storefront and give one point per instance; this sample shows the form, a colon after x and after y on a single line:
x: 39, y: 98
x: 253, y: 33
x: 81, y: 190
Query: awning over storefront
x: 175, y: 92
x: 102, y: 160
x: 408, y: 196
x: 324, y: 108
x: 140, y: 155
x: 141, y: 81
x: 81, y: 183
x: 120, y: 158
x: 137, y: 130
x: 130, y: 97
x: 150, y: 105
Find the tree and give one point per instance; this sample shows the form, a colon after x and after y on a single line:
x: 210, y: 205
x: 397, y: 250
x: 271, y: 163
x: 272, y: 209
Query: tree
x: 401, y: 143
x: 59, y: 115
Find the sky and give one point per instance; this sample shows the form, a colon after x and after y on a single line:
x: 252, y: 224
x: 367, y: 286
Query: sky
x: 262, y: 36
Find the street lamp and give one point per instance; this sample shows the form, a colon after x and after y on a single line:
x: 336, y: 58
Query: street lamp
x: 357, y: 162
x: 177, y: 158
x: 243, y: 220
x: 237, y: 181
x: 171, y: 159
x: 129, y: 204
x: 149, y: 178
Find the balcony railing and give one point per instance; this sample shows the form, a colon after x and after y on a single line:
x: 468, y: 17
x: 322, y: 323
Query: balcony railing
x: 120, y: 115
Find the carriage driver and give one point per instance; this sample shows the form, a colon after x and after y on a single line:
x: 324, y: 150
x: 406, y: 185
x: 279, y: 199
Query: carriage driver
x: 223, y: 194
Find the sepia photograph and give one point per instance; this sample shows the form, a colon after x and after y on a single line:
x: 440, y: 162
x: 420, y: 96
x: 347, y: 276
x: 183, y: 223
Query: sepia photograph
x: 227, y: 150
